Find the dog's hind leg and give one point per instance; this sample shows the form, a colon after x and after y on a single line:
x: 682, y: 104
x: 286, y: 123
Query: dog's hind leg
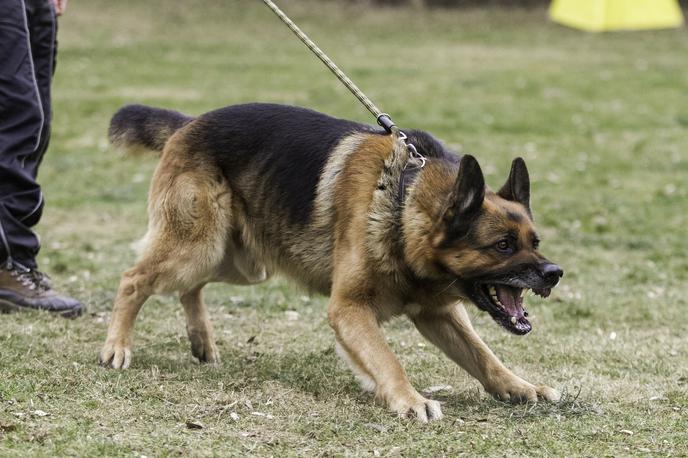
x: 184, y: 247
x: 135, y: 287
x: 167, y: 265
x: 198, y: 326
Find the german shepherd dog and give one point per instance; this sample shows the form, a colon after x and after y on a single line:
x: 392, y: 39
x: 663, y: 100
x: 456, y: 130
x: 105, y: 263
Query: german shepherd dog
x: 250, y: 190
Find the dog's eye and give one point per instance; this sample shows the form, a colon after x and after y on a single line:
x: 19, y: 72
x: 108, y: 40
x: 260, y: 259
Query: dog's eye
x: 504, y: 246
x: 536, y: 244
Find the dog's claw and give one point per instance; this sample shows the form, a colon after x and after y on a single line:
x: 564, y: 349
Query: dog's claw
x: 420, y: 408
x: 207, y: 355
x: 203, y: 348
x: 548, y: 394
x: 428, y: 410
x: 115, y: 356
x: 518, y: 390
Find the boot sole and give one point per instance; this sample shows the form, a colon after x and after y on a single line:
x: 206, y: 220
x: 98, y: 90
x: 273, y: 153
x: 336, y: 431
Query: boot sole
x: 11, y: 307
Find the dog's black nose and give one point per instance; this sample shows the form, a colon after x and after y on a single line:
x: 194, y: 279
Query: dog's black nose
x: 552, y: 273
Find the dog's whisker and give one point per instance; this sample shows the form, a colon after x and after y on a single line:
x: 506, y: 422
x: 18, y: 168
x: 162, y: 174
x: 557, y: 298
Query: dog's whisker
x: 447, y: 287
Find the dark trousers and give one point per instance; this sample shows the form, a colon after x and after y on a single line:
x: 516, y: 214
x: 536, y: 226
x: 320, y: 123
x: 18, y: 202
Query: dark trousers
x: 27, y: 60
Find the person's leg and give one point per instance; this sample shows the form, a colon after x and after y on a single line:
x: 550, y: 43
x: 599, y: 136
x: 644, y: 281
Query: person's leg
x: 42, y: 25
x: 22, y: 127
x: 27, y: 51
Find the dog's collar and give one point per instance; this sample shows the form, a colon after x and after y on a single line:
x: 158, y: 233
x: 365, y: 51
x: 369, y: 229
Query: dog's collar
x: 408, y: 177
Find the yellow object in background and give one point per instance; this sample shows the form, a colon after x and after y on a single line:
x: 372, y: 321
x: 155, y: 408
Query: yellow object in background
x: 602, y: 15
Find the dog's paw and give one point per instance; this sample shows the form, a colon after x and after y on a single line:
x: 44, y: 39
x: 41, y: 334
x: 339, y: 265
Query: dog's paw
x: 548, y: 394
x: 115, y: 355
x: 517, y: 390
x: 204, y: 349
x: 418, y: 407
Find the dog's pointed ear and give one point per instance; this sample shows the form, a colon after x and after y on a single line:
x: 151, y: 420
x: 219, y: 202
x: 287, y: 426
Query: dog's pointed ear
x: 466, y: 200
x: 517, y: 186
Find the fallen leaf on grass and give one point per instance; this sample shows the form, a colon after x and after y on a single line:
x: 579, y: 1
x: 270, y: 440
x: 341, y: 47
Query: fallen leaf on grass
x: 627, y: 432
x: 194, y: 424
x: 40, y: 413
x: 437, y: 388
x: 376, y: 427
x: 234, y: 416
x: 99, y: 317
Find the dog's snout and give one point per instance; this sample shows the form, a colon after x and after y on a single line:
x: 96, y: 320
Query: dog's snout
x: 552, y: 273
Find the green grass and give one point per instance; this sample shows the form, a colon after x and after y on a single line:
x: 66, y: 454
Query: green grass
x: 602, y: 121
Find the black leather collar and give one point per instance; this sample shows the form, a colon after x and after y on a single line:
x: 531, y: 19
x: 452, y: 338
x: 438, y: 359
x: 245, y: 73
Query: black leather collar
x: 408, y: 177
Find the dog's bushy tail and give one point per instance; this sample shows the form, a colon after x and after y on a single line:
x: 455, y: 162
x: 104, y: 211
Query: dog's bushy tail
x: 137, y: 128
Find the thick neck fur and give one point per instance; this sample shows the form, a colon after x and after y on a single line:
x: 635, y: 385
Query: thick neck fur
x: 422, y: 231
x: 384, y: 237
x: 403, y: 237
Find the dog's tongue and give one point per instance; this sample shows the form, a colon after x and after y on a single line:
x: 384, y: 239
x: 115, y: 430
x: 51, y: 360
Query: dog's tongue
x: 511, y: 299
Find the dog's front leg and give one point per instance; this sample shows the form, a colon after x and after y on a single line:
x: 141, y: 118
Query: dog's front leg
x: 360, y: 339
x: 451, y: 330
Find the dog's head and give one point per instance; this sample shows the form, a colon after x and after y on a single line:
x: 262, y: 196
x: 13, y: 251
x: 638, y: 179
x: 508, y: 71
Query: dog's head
x: 487, y: 241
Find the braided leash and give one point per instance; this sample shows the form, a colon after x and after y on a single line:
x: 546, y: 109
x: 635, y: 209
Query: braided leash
x: 383, y: 119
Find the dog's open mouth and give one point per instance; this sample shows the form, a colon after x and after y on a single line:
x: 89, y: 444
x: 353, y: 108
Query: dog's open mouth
x: 505, y: 304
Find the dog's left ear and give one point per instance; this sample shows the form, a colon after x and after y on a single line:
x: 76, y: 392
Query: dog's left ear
x: 517, y: 186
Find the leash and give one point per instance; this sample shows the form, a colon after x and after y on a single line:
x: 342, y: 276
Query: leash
x: 383, y: 119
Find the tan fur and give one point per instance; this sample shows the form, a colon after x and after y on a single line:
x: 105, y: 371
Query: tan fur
x: 363, y: 248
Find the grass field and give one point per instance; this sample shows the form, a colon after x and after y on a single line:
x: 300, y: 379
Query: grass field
x: 602, y: 121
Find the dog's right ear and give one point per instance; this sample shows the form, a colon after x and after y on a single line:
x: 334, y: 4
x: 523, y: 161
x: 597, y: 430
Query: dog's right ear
x: 466, y: 201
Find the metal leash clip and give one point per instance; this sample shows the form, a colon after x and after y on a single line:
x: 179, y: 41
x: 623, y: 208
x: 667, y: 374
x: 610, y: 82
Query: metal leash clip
x: 414, y: 155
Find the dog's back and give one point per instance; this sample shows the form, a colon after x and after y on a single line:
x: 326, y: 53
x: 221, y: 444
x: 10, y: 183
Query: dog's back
x: 283, y: 147
x: 273, y: 154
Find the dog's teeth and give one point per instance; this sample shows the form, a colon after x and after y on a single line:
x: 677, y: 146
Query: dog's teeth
x: 493, y: 294
x: 513, y: 320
